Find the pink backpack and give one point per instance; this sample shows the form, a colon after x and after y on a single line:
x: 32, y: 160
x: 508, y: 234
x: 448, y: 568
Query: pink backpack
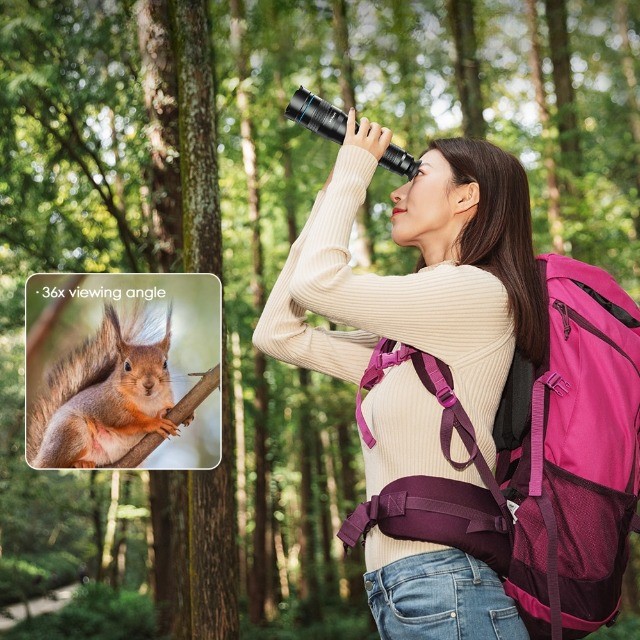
x: 554, y: 522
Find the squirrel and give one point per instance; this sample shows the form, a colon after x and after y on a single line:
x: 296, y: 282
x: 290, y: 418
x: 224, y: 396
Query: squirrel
x: 103, y: 398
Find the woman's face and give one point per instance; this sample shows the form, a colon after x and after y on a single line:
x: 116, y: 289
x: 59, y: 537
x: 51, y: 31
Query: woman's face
x: 424, y: 213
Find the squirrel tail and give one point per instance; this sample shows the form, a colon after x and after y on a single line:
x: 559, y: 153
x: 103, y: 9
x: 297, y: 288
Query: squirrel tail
x: 88, y: 364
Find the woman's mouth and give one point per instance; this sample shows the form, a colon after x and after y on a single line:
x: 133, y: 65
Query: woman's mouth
x: 396, y: 211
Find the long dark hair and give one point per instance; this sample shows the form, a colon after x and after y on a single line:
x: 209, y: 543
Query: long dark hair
x: 499, y: 236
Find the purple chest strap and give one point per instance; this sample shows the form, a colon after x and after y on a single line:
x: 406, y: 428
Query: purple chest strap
x: 381, y: 358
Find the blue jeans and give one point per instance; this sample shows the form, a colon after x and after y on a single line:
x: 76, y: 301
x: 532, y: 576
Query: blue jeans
x: 441, y: 595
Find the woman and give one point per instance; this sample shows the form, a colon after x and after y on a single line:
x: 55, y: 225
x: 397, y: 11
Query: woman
x: 476, y: 296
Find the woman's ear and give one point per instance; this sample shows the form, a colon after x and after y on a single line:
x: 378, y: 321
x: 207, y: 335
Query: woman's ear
x: 467, y: 196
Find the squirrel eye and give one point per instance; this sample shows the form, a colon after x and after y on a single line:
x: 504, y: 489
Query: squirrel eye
x: 164, y: 366
x: 127, y: 365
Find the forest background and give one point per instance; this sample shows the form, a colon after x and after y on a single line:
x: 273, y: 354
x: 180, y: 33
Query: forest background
x: 149, y: 137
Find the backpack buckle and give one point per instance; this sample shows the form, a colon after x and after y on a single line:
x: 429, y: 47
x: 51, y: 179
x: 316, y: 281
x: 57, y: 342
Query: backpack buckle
x: 446, y: 397
x: 558, y: 384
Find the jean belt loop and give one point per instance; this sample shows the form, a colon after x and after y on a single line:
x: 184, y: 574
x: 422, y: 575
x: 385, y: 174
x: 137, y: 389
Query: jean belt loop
x: 475, y: 569
x: 381, y: 585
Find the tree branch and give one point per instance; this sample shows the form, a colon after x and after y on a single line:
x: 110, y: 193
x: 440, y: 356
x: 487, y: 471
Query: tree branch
x: 209, y: 382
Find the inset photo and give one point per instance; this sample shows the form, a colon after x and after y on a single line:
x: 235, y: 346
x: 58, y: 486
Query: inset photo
x: 123, y: 371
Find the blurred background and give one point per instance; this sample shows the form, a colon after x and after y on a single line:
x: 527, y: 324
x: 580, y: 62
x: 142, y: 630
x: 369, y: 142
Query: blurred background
x: 126, y: 125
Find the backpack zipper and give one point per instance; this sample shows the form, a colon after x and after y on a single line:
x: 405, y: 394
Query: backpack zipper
x: 567, y: 312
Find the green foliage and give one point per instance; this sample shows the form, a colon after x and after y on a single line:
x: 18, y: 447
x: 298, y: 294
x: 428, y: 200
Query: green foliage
x: 343, y: 623
x: 33, y: 575
x: 96, y: 612
x: 626, y: 628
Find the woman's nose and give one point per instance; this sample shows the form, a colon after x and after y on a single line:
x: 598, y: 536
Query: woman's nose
x: 397, y: 194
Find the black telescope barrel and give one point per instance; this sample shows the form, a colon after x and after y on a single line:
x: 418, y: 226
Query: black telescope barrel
x: 323, y: 118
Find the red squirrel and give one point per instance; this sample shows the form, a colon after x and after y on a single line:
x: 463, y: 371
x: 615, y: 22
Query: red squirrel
x: 103, y: 398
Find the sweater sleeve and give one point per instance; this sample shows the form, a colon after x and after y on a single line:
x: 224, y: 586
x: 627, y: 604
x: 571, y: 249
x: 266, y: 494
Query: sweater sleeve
x: 283, y: 333
x: 449, y: 311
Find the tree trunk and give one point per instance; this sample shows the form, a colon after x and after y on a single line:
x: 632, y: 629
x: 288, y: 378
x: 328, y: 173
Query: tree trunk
x: 354, y: 561
x: 323, y: 505
x: 553, y: 192
x: 363, y: 246
x: 241, y: 470
x: 633, y: 102
x: 259, y: 573
x: 308, y: 584
x: 161, y: 503
x: 180, y: 569
x: 461, y: 17
x: 97, y: 522
x: 112, y: 521
x: 332, y: 492
x: 160, y: 85
x: 208, y: 545
x: 150, y: 586
x: 567, y: 120
x: 120, y: 554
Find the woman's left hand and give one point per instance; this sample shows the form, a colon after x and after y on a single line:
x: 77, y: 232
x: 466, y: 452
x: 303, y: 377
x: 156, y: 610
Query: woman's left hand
x: 370, y: 136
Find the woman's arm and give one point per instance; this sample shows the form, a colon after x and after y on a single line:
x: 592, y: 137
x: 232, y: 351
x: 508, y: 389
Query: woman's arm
x: 448, y: 311
x: 283, y: 333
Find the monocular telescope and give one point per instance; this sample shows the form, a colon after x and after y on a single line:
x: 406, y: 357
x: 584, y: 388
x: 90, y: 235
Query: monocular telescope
x: 323, y: 118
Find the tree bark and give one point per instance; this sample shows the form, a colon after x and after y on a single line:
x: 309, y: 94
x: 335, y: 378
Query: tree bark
x: 258, y: 592
x: 208, y: 545
x: 181, y: 571
x: 567, y: 119
x: 160, y: 85
x: 633, y: 102
x: 363, y: 248
x: 554, y: 217
x: 323, y: 506
x: 354, y: 561
x: 467, y: 67
x: 161, y: 504
x: 241, y: 469
x: 120, y: 554
x: 112, y: 521
x: 97, y: 522
x: 332, y: 492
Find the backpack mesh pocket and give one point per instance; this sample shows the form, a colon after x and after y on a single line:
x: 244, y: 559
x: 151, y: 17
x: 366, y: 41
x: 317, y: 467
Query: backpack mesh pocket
x: 592, y: 523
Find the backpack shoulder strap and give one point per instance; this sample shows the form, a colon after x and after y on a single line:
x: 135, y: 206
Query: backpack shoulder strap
x: 436, y: 375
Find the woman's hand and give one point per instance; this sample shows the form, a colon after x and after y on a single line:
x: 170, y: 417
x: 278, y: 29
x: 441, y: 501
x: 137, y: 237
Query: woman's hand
x: 371, y: 136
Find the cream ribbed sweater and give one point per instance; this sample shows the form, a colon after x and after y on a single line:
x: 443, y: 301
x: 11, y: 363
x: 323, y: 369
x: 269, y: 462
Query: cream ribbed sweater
x: 456, y: 313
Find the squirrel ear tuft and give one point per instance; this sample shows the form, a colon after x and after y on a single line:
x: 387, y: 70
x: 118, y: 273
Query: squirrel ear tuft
x: 166, y: 341
x: 112, y: 317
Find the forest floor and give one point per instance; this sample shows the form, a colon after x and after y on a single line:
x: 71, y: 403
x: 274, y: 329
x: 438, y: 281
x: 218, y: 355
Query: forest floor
x: 55, y: 600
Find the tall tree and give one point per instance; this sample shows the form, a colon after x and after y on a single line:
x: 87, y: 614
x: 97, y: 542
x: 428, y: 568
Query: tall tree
x: 160, y: 84
x: 210, y: 545
x: 535, y: 62
x: 258, y: 594
x: 467, y: 66
x: 363, y: 246
x: 566, y: 117
x: 633, y: 99
x: 241, y: 462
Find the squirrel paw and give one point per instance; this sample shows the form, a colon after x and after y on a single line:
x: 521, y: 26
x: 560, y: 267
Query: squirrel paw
x: 187, y: 421
x: 84, y: 464
x: 164, y: 427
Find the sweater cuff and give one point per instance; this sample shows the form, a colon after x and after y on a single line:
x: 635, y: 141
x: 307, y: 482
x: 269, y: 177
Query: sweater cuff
x: 355, y: 162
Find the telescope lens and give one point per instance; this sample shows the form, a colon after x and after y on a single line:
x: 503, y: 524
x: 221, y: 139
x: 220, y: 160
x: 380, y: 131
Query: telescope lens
x: 324, y: 119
